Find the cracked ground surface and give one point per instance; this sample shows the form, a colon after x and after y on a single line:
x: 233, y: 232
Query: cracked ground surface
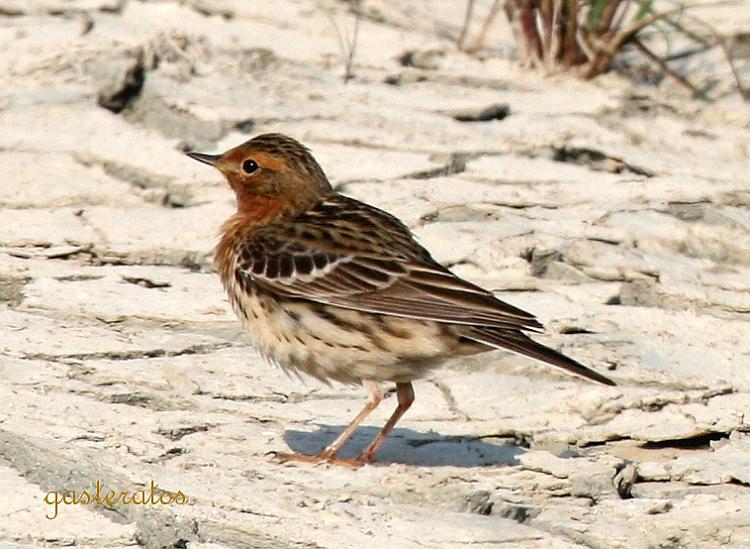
x: 616, y: 211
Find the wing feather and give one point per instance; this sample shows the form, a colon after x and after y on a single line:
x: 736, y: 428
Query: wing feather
x: 520, y: 343
x: 351, y: 255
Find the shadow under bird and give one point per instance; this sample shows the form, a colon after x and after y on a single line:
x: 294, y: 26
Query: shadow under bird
x: 337, y: 289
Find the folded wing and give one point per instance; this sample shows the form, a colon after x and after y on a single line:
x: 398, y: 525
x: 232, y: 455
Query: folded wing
x: 348, y: 254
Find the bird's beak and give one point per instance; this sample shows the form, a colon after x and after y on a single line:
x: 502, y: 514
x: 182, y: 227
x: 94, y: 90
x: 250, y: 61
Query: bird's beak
x: 210, y: 159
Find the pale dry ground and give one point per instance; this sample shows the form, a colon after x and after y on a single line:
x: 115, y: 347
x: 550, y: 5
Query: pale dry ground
x: 617, y: 212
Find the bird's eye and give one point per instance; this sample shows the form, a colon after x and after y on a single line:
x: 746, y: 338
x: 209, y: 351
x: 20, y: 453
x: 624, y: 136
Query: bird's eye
x: 249, y: 166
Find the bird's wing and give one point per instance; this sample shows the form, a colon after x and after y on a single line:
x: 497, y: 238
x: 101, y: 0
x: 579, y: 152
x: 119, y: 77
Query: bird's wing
x: 345, y: 253
x: 520, y: 343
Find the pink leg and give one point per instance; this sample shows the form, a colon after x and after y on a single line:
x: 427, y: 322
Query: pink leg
x: 329, y: 452
x: 405, y: 395
x: 375, y: 397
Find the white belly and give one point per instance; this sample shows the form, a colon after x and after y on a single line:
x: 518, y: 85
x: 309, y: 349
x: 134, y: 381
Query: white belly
x: 331, y: 343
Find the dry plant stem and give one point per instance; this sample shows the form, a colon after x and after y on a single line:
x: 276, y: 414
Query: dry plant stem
x: 690, y: 34
x: 552, y: 45
x: 663, y: 66
x: 688, y: 53
x: 620, y: 15
x: 522, y: 17
x: 352, y: 47
x: 586, y: 48
x: 530, y: 33
x: 491, y: 15
x: 545, y: 25
x: 606, y: 27
x: 636, y: 26
x: 566, y: 33
x: 743, y: 91
x: 605, y: 51
x: 465, y: 28
x: 348, y: 47
x: 570, y: 54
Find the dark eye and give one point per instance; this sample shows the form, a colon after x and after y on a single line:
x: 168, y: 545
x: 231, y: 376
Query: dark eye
x: 249, y: 166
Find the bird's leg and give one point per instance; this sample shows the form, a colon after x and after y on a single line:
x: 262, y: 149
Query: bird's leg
x: 375, y: 396
x: 405, y: 395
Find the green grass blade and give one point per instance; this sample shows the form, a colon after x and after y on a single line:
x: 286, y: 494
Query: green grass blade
x: 595, y: 13
x: 644, y: 9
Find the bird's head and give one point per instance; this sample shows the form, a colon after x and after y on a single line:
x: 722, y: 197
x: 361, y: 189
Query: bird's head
x: 270, y: 168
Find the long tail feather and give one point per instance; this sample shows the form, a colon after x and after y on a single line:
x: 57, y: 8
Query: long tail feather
x: 522, y: 344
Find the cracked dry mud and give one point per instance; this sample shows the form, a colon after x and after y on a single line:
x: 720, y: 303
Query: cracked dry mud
x: 616, y: 211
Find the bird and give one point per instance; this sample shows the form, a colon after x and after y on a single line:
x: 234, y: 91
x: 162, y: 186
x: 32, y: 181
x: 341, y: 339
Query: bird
x: 332, y: 287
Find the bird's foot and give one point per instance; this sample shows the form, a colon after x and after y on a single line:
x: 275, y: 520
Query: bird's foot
x: 354, y: 463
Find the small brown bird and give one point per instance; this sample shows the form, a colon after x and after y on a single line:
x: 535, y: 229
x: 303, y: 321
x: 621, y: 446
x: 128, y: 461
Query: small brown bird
x: 340, y: 290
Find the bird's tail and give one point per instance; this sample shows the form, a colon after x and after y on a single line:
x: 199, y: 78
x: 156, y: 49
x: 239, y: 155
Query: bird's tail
x: 522, y: 344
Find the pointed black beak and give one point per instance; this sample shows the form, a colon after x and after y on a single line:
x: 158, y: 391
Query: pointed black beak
x: 210, y: 159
